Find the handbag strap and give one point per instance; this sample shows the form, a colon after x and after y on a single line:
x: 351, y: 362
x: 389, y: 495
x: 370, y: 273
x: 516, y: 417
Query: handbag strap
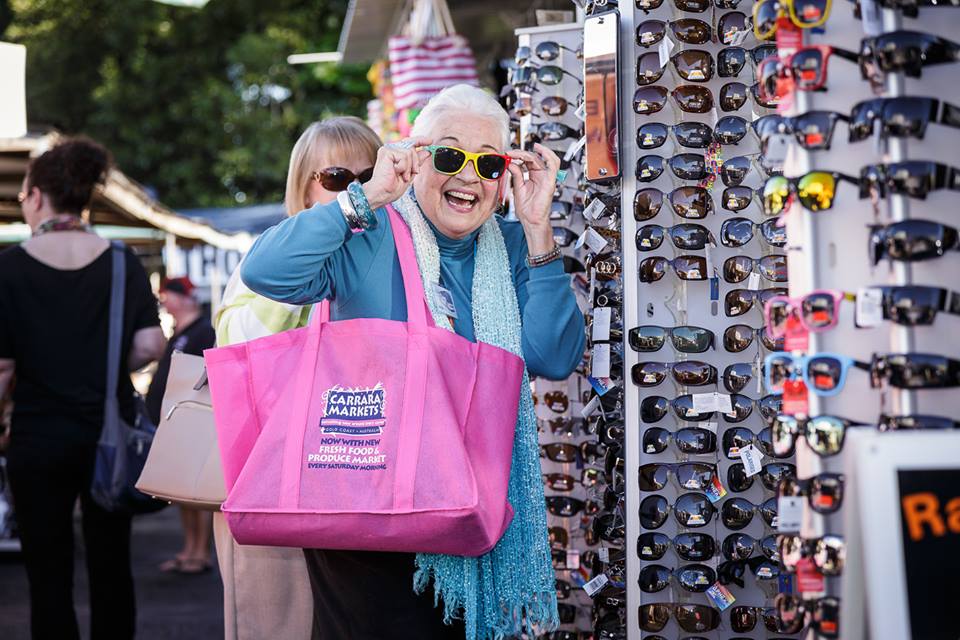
x: 111, y: 406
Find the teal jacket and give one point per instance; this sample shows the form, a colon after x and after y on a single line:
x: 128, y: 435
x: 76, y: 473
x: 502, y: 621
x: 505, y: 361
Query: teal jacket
x: 314, y: 256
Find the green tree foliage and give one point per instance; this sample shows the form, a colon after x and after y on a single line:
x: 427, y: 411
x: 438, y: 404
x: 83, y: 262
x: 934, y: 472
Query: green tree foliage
x: 200, y: 105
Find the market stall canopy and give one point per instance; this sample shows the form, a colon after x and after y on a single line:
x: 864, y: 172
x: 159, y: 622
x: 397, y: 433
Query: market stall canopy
x: 254, y: 219
x: 120, y: 203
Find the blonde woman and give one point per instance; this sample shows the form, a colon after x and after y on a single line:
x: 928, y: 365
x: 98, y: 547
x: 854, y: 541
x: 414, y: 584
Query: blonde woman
x: 267, y: 589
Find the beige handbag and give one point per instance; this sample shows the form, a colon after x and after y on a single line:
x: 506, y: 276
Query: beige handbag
x: 184, y: 461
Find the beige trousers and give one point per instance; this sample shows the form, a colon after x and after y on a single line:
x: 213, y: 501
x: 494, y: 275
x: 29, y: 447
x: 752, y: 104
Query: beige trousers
x: 266, y: 590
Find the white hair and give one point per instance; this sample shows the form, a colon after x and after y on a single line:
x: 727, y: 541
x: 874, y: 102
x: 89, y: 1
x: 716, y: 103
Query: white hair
x: 463, y: 97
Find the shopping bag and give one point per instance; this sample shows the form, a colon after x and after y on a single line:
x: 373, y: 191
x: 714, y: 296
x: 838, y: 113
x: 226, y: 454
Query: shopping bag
x: 367, y: 434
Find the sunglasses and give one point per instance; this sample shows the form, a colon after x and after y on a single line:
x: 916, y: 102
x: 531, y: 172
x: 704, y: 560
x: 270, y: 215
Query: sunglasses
x: 738, y: 198
x: 738, y: 302
x: 770, y: 475
x: 691, y: 510
x: 686, y: 30
x: 914, y: 305
x: 913, y: 178
x: 891, y: 423
x: 824, y: 491
x: 451, y: 161
x: 904, y: 52
x: 549, y: 106
x: 744, y: 619
x: 556, y: 401
x: 609, y: 527
x: 548, y: 51
x: 824, y: 373
x: 685, y: 339
x: 559, y: 482
x: 915, y: 371
x: 803, y: 70
x: 734, y: 95
x: 827, y: 553
x: 823, y: 614
x: 737, y: 376
x: 901, y: 117
x: 689, y: 440
x: 338, y: 178
x: 741, y: 546
x: 738, y: 268
x: 560, y: 452
x: 812, y: 130
x: 817, y: 311
x: 738, y: 438
x: 553, y: 132
x: 733, y: 571
x: 692, y: 65
x: 695, y: 476
x: 689, y: 99
x: 737, y: 513
x: 815, y: 190
x: 686, y: 236
x: 733, y: 171
x: 732, y: 60
x: 805, y: 14
x: 736, y: 232
x: 691, y: 373
x: 739, y: 337
x: 685, y: 166
x: 686, y: 267
x: 692, y: 618
x: 693, y: 547
x: 567, y: 507
x: 695, y: 578
x: 654, y: 408
x: 690, y: 202
x: 912, y: 241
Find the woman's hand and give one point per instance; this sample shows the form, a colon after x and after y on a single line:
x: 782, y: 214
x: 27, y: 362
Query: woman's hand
x: 397, y: 165
x: 533, y: 195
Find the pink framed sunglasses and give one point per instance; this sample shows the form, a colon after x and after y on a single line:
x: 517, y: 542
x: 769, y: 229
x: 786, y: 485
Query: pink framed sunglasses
x: 816, y: 311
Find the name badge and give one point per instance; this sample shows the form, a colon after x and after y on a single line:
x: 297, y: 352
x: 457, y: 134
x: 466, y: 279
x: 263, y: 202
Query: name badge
x: 444, y: 299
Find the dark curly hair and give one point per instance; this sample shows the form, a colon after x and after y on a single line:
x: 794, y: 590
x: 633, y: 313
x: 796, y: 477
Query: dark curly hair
x: 68, y: 172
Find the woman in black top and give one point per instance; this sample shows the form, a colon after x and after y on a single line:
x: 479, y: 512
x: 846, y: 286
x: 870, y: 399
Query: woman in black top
x: 54, y: 296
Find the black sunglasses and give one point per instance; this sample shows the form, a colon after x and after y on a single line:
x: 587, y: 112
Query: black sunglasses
x: 737, y: 513
x: 737, y: 302
x: 892, y: 423
x: 901, y: 117
x: 824, y: 492
x: 694, y: 476
x: 812, y: 130
x: 690, y: 202
x: 915, y: 371
x: 772, y: 267
x: 904, y: 52
x: 827, y: 553
x: 739, y: 337
x: 914, y: 178
x: 693, y: 135
x: 737, y: 438
x: 736, y: 232
x: 693, y: 547
x: 692, y: 65
x: 654, y: 408
x: 692, y: 618
x: 648, y: 100
x: 691, y: 510
x: 692, y: 373
x: 686, y: 30
x: 689, y: 440
x: 823, y: 614
x: 735, y: 170
x: 738, y: 375
x: 695, y: 578
x: 912, y: 241
x: 686, y: 267
x: 685, y: 166
x: 732, y: 60
x: 685, y: 339
x: 741, y: 546
x: 824, y: 434
x: 770, y: 476
x: 734, y: 95
x: 687, y: 236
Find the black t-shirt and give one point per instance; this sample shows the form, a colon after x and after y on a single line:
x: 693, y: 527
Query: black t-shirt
x: 197, y: 336
x: 54, y: 325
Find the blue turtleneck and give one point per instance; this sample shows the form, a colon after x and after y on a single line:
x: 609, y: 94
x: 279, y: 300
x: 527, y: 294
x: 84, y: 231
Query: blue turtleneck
x: 314, y: 256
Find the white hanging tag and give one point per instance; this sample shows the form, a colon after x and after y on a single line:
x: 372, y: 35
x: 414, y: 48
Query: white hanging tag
x: 590, y: 408
x: 872, y: 19
x: 601, y: 323
x: 664, y: 49
x: 722, y: 403
x: 603, y: 554
x: 709, y: 255
x: 595, y: 242
x: 574, y: 147
x: 754, y: 281
x: 775, y: 152
x: 596, y: 584
x: 595, y: 209
x: 751, y: 457
x: 600, y: 363
x: 573, y: 559
x: 869, y: 310
x: 704, y: 402
x: 789, y: 513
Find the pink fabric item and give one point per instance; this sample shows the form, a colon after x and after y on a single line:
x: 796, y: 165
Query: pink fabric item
x: 367, y: 434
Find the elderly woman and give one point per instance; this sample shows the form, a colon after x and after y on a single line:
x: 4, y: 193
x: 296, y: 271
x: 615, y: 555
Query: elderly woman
x: 456, y: 162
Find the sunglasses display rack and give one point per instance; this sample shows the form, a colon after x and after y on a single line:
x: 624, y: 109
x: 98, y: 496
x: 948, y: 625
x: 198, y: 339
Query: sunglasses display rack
x: 580, y: 432
x: 700, y: 260
x: 871, y: 249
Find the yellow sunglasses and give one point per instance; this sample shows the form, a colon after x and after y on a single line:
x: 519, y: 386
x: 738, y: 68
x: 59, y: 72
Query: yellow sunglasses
x: 806, y: 14
x: 452, y: 160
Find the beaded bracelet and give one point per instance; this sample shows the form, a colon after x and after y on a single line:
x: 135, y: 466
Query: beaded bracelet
x: 362, y: 205
x: 544, y: 258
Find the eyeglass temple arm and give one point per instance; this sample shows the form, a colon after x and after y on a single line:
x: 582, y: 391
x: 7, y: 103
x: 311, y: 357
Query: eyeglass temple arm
x: 846, y: 54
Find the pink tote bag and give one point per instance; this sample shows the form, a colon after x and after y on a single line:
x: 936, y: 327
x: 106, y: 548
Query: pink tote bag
x: 367, y: 434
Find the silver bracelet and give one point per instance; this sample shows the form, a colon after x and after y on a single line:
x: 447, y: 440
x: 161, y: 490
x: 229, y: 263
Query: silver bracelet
x: 544, y: 258
x: 349, y: 212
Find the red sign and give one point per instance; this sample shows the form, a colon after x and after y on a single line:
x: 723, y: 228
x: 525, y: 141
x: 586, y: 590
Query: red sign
x: 795, y: 401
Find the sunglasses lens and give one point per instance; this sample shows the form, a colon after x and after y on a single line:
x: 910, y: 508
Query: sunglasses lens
x: 448, y: 160
x: 733, y: 95
x: 649, y: 100
x: 691, y: 339
x: 550, y: 75
x: 649, y: 374
x: 695, y: 135
x: 741, y: 406
x: 650, y: 32
x: 694, y: 475
x: 554, y: 105
x: 648, y: 68
x: 809, y: 13
x: 743, y: 619
x: 761, y: 99
x: 730, y: 130
x: 649, y: 168
x: 655, y: 440
x: 736, y: 513
x: 734, y: 170
x: 765, y: 15
x: 819, y: 311
x: 730, y: 25
x: 652, y: 135
x: 647, y: 203
x: 776, y: 193
x: 647, y: 338
x: 652, y: 545
x: 693, y: 99
x: 737, y: 338
x: 653, y: 269
x: 807, y: 67
x: 335, y: 178
x: 683, y: 407
x: 689, y: 166
x: 730, y: 62
x: 772, y: 473
x: 491, y: 166
x: 691, y: 267
x: 653, y: 408
x: 736, y: 198
x: 816, y: 190
x: 689, y: 236
x: 737, y: 269
x: 814, y: 129
x: 780, y: 370
x: 653, y: 477
x: 824, y: 373
x: 826, y: 493
x: 691, y: 31
x: 653, y: 511
x: 775, y: 235
x: 784, y: 432
x: 694, y: 440
x: 693, y: 6
x: 694, y: 374
x: 773, y: 268
x: 691, y: 202
x: 738, y: 302
x: 736, y: 232
x: 693, y: 510
x: 737, y: 478
x: 738, y: 546
x: 790, y: 549
x: 829, y: 555
x: 697, y: 618
x: 737, y: 376
x: 825, y: 435
x: 696, y: 578
x: 548, y: 51
x: 693, y: 65
x: 695, y: 547
x: 734, y: 440
x: 654, y: 617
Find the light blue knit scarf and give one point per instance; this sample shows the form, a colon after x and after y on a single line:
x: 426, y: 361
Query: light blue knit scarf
x: 512, y: 588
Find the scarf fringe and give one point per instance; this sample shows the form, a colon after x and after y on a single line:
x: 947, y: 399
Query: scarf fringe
x: 510, y: 590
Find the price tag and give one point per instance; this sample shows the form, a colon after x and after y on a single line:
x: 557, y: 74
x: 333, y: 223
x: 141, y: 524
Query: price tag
x: 722, y: 403
x: 594, y: 241
x: 753, y: 282
x: 704, y: 403
x: 709, y: 426
x: 594, y: 210
x: 775, y: 151
x: 601, y: 323
x: 711, y: 271
x: 715, y: 490
x: 735, y: 37
x: 797, y: 337
x: 573, y: 558
x: 601, y: 385
x: 664, y: 50
x: 789, y: 513
x: 751, y: 458
x: 720, y: 596
x: 810, y: 581
x: 590, y: 408
x: 600, y: 363
x: 795, y: 400
x: 869, y: 310
x: 603, y: 553
x: 872, y: 20
x: 596, y: 584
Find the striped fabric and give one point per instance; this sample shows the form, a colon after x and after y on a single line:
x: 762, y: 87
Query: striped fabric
x: 244, y: 315
x: 419, y: 71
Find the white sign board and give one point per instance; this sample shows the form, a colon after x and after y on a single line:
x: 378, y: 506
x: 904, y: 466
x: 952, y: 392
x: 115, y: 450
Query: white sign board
x: 13, y: 105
